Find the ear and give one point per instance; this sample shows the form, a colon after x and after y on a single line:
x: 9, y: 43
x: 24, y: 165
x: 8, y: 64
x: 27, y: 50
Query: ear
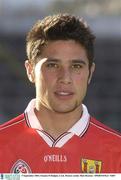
x: 30, y: 71
x: 91, y: 71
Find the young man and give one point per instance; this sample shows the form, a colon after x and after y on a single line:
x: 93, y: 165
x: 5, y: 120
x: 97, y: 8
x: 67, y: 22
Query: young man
x: 56, y: 134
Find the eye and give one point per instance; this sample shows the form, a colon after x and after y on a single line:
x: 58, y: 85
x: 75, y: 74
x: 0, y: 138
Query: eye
x: 52, y: 65
x: 76, y: 66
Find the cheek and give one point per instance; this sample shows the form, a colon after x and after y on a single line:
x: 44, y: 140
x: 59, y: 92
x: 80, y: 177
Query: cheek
x: 40, y: 82
x: 80, y: 85
x: 49, y: 77
x: 81, y: 79
x: 47, y: 82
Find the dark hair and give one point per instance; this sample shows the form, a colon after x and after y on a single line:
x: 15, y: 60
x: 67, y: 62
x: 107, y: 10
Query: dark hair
x: 59, y: 27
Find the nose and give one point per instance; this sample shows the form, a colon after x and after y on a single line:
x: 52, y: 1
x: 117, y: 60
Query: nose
x: 64, y: 76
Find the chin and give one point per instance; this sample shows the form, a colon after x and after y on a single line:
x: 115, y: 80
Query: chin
x: 64, y: 109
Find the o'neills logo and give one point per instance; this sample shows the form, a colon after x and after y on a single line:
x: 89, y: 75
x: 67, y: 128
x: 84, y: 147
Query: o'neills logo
x: 20, y: 166
x: 55, y: 158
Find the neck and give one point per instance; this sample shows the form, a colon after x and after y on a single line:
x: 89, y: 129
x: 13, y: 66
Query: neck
x: 56, y: 123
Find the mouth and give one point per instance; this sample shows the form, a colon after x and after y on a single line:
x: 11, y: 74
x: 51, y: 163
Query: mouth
x: 64, y: 95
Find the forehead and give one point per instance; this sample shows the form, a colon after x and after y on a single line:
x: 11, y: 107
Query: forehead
x: 64, y: 49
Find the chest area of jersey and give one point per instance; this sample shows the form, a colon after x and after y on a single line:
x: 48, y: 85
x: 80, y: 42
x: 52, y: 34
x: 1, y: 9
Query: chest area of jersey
x: 36, y: 155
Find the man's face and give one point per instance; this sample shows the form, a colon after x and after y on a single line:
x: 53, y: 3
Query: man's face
x: 61, y: 76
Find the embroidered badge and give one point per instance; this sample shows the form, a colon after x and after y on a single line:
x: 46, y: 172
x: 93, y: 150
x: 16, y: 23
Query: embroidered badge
x: 91, y: 166
x: 20, y: 166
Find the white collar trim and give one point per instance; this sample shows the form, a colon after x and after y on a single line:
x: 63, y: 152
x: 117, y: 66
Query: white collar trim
x: 79, y: 128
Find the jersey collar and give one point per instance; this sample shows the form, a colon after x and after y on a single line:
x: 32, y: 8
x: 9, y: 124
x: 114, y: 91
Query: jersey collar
x: 79, y: 128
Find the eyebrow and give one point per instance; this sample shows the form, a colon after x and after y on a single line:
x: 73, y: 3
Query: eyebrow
x: 78, y: 61
x: 53, y: 60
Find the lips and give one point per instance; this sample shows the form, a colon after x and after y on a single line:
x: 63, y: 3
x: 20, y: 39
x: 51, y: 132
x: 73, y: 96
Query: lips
x: 64, y: 94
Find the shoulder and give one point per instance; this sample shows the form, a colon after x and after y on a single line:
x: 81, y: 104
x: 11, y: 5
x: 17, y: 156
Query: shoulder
x: 104, y: 131
x: 12, y: 124
x: 13, y: 130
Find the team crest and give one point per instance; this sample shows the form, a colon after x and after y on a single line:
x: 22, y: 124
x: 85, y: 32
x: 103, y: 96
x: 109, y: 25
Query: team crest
x: 91, y: 166
x: 20, y: 166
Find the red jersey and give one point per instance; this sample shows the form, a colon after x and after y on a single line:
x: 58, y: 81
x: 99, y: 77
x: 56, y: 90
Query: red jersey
x: 88, y: 147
